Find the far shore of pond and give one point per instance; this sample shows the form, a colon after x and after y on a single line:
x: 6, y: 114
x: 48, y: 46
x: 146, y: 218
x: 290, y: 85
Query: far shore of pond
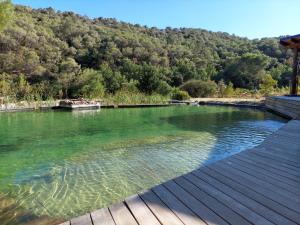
x: 44, y: 105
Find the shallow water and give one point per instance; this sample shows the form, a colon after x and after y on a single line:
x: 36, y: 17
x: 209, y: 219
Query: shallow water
x: 57, y: 165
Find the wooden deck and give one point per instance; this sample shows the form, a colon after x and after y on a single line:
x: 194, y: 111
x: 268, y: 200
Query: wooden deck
x: 257, y: 186
x: 287, y: 106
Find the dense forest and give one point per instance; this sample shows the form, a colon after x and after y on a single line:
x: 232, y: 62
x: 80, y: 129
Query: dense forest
x: 48, y: 54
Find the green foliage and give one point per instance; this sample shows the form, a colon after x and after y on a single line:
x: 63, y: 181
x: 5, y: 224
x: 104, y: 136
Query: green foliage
x: 199, y: 88
x: 247, y: 71
x: 163, y: 88
x: 6, y: 88
x: 65, y: 55
x: 180, y: 95
x: 149, y: 79
x: 112, y: 80
x: 90, y: 84
x: 126, y: 97
x: 282, y: 73
x: 221, y: 88
x: 130, y: 86
x: 229, y: 90
x: 268, y: 84
x: 23, y: 89
x: 6, y: 13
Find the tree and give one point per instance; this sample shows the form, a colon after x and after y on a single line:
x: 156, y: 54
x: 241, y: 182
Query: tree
x: 23, y: 89
x: 53, y: 49
x: 180, y: 95
x: 163, y: 88
x: 5, y: 85
x: 247, y: 71
x: 199, y: 88
x: 68, y: 70
x: 112, y: 80
x: 6, y: 12
x: 268, y: 84
x: 149, y: 79
x: 221, y: 88
x: 91, y: 84
x: 229, y: 90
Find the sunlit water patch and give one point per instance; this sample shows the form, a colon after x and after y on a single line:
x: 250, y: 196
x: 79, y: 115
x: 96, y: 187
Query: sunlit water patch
x: 56, y: 165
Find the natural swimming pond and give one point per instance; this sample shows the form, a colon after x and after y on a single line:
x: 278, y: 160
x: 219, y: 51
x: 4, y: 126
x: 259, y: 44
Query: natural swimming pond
x: 57, y: 165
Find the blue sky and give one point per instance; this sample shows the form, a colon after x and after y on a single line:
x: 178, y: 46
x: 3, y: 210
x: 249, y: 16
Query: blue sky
x: 247, y: 18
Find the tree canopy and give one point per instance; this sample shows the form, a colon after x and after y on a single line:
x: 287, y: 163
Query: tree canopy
x: 62, y: 54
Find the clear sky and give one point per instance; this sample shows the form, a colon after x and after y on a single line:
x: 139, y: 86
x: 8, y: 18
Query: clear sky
x: 247, y: 18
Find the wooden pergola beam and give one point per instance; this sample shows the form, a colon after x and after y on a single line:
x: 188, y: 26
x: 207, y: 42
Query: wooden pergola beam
x: 295, y: 80
x: 293, y: 42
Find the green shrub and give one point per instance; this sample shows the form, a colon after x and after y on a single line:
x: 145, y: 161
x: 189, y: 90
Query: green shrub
x: 89, y: 84
x: 130, y: 86
x: 229, y: 90
x: 127, y: 97
x: 164, y: 88
x: 199, y: 88
x: 267, y: 86
x: 179, y: 95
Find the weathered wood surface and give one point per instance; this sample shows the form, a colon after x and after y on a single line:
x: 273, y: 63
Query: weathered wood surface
x: 288, y: 106
x: 256, y: 186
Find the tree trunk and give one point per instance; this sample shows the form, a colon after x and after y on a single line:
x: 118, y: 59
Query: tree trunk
x: 294, y: 85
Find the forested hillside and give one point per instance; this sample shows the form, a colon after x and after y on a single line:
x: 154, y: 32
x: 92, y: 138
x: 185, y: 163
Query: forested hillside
x: 46, y: 54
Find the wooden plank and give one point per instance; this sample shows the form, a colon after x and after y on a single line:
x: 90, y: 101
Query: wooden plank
x: 244, y: 198
x: 287, y: 152
x: 102, y: 217
x: 121, y: 215
x: 82, y: 220
x: 261, y: 168
x: 252, y: 194
x: 289, y: 197
x: 236, y: 206
x: 279, y: 152
x: 276, y: 158
x: 201, y: 210
x: 286, y: 133
x: 140, y: 211
x: 231, y: 173
x: 283, y: 153
x: 271, y: 165
x: 281, y: 167
x: 220, y: 209
x: 289, y: 171
x: 280, y: 144
x: 159, y: 209
x: 264, y: 175
x: 260, y: 182
x: 182, y: 212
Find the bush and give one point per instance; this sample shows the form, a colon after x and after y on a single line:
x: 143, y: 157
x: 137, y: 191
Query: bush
x: 179, y: 95
x: 229, y: 90
x: 199, y: 88
x: 89, y: 84
x: 267, y: 86
x: 164, y: 88
x: 126, y: 97
x: 130, y: 86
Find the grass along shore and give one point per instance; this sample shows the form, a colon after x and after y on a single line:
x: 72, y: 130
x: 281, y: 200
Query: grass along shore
x: 121, y: 101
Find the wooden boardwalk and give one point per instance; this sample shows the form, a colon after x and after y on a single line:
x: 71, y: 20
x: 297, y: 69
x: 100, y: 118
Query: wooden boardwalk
x: 257, y: 186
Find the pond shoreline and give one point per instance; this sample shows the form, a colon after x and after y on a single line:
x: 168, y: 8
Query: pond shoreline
x: 49, y: 105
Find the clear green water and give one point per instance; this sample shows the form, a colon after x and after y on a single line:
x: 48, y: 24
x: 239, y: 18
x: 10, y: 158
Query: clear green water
x: 57, y: 165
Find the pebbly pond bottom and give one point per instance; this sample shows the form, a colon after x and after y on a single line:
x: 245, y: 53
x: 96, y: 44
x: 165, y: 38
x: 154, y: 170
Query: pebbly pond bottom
x: 58, y: 165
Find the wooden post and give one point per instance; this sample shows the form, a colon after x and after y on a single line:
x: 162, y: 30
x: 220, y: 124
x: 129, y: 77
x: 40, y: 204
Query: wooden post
x: 294, y: 85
